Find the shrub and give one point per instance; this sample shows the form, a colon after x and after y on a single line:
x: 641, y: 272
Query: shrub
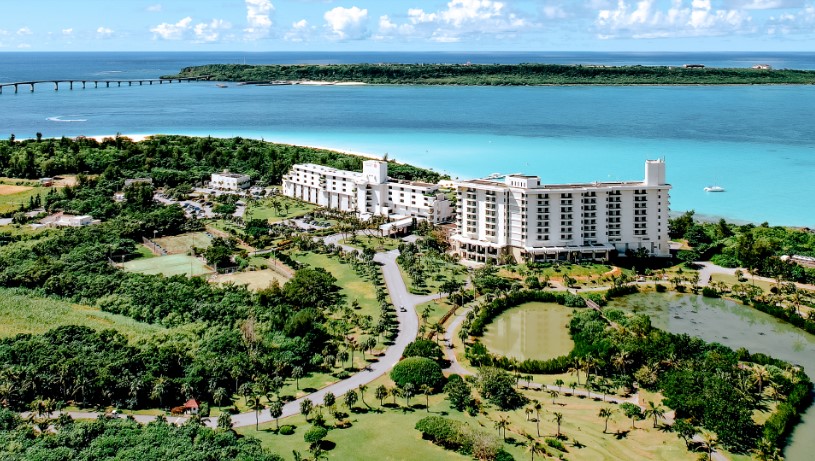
x: 556, y: 444
x: 441, y: 431
x: 660, y: 288
x: 424, y: 348
x: 708, y: 292
x: 418, y: 371
x: 286, y: 430
x: 315, y: 435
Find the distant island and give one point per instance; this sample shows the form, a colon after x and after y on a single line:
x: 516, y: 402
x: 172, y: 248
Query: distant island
x: 498, y: 74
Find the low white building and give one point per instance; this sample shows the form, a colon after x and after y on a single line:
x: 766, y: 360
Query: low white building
x: 530, y: 221
x: 67, y: 220
x: 370, y: 192
x: 230, y: 181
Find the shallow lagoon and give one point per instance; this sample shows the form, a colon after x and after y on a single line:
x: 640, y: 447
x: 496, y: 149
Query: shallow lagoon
x: 531, y: 331
x: 735, y: 325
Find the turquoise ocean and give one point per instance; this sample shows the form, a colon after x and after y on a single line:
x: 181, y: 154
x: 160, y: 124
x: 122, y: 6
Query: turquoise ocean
x: 757, y: 142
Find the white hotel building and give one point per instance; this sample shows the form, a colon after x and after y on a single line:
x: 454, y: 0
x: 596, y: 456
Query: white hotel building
x: 368, y: 193
x: 530, y: 221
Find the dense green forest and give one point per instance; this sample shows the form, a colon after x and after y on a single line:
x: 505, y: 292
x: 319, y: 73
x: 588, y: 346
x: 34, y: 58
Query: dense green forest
x: 224, y: 337
x: 497, y: 74
x: 119, y: 439
x: 174, y: 160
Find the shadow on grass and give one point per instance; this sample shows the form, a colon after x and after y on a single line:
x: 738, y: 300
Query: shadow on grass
x: 309, y: 390
x: 619, y: 435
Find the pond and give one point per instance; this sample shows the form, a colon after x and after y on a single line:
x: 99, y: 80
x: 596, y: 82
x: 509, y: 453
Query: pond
x: 735, y: 325
x: 531, y: 331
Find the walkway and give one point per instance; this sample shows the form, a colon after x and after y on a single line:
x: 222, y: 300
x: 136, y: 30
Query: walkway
x: 708, y: 269
x: 408, y: 330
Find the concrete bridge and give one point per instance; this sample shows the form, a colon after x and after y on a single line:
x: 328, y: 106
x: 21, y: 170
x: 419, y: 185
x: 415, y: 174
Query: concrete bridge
x: 96, y: 83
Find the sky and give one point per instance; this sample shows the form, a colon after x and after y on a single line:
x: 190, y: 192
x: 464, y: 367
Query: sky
x: 407, y: 25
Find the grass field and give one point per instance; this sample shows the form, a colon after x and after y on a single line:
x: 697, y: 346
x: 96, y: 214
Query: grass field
x: 377, y: 243
x: 254, y: 280
x: 20, y: 313
x: 352, y: 285
x: 388, y: 433
x: 168, y: 265
x: 263, y: 209
x: 12, y: 196
x: 182, y: 244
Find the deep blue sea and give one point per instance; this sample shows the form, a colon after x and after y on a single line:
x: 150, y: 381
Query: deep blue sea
x: 756, y: 141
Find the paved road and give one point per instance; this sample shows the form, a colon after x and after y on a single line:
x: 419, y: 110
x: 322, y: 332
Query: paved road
x: 408, y: 330
x: 449, y: 336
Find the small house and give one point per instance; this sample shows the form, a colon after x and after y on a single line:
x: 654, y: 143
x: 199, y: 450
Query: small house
x: 230, y: 181
x: 191, y: 407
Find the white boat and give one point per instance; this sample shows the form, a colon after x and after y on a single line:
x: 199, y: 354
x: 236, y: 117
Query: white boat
x: 714, y: 189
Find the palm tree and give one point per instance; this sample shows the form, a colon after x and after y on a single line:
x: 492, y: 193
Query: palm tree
x: 573, y: 385
x: 381, y: 393
x: 538, y: 407
x: 306, y: 405
x: 362, y: 388
x: 528, y: 411
x: 535, y: 448
x: 767, y: 451
x: 159, y: 388
x: 426, y: 390
x: 396, y: 392
x: 350, y: 399
x: 559, y: 383
x: 558, y: 419
x: 276, y: 411
x: 297, y: 373
x: 409, y: 390
x: 760, y: 376
x: 655, y: 411
x: 554, y: 394
x: 711, y: 443
x: 219, y: 395
x: 330, y: 400
x: 256, y: 403
x: 606, y: 413
x: 501, y: 425
x: 620, y: 360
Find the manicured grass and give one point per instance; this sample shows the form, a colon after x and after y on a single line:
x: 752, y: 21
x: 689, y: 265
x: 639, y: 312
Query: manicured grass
x: 531, y: 331
x: 377, y: 243
x: 731, y: 280
x: 437, y: 271
x: 388, y: 433
x: 144, y: 252
x: 263, y: 209
x: 168, y: 266
x: 437, y: 309
x: 182, y: 244
x: 254, y: 280
x: 353, y: 287
x: 20, y: 313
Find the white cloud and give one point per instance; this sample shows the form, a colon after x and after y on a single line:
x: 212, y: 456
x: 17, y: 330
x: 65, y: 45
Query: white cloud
x: 681, y: 19
x: 300, y: 31
x: 800, y: 22
x: 257, y: 18
x: 167, y: 31
x: 67, y: 32
x: 211, y: 32
x: 157, y: 8
x: 763, y: 4
x: 24, y: 31
x: 460, y: 18
x: 104, y: 32
x: 23, y: 46
x: 347, y: 23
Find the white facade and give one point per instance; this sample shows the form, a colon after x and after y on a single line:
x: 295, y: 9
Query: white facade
x: 370, y: 192
x: 531, y: 221
x: 230, y: 181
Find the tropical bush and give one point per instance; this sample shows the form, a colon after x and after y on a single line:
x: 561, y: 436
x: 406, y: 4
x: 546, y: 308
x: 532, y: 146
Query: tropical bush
x: 424, y: 348
x: 418, y: 371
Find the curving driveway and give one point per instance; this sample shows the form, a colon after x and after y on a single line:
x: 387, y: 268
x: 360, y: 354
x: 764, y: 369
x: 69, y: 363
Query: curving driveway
x: 408, y: 330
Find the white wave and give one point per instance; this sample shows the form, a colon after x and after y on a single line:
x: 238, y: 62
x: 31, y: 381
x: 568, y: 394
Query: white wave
x: 111, y: 72
x: 59, y: 118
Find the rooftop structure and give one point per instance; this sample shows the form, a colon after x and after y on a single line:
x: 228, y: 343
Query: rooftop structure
x: 230, y: 181
x: 523, y: 219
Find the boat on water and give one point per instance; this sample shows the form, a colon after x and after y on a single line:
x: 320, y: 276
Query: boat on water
x: 221, y: 85
x: 714, y: 189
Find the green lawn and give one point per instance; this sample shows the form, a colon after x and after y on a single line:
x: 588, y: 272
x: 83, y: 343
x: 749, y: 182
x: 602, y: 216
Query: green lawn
x: 377, y: 243
x: 389, y: 433
x: 353, y: 287
x: 11, y: 199
x: 168, y: 266
x: 182, y: 244
x: 254, y: 280
x: 144, y: 252
x: 21, y: 313
x: 264, y: 209
x: 437, y: 309
x: 436, y: 272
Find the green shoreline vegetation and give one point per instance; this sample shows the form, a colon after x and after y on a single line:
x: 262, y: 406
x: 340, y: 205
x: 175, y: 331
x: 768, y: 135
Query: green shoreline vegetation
x: 497, y: 74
